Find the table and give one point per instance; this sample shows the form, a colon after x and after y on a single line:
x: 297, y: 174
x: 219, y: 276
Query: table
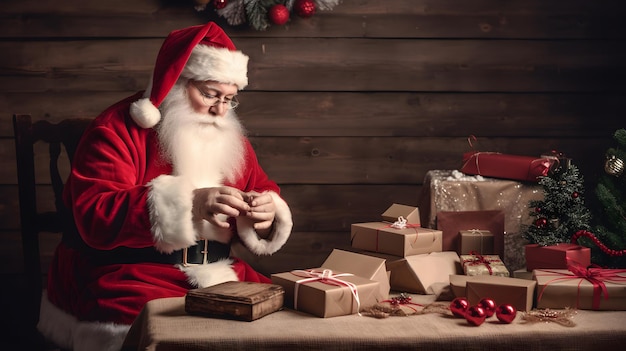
x: 447, y: 190
x: 164, y: 325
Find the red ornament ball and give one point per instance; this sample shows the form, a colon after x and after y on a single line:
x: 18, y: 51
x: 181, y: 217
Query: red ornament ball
x: 506, y: 313
x: 538, y: 209
x: 220, y: 4
x: 304, y: 8
x: 279, y: 14
x: 575, y: 195
x: 459, y: 306
x: 475, y: 315
x: 541, y: 222
x: 488, y: 305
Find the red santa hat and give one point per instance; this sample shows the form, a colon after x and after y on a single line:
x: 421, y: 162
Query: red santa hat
x: 202, y: 52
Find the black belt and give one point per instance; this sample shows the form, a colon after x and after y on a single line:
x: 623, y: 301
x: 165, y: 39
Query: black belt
x: 205, y: 251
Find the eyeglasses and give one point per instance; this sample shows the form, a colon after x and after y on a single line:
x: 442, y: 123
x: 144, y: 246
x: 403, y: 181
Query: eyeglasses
x: 212, y: 100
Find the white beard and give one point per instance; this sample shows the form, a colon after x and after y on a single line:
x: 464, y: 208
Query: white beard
x: 208, y: 150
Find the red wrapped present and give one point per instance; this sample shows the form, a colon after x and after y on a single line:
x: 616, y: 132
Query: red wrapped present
x: 558, y: 256
x: 498, y: 165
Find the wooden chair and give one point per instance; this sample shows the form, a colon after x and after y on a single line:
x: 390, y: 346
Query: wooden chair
x: 33, y: 221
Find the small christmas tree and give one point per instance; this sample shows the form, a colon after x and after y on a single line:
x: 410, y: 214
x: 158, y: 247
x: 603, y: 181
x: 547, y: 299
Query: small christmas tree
x: 562, y: 212
x: 608, y: 237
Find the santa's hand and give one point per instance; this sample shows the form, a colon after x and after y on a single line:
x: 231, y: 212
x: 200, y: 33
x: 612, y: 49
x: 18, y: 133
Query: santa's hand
x: 262, y: 210
x: 210, y: 203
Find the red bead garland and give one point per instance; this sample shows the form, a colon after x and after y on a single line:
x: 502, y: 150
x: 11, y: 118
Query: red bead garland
x: 304, y: 8
x: 597, y: 242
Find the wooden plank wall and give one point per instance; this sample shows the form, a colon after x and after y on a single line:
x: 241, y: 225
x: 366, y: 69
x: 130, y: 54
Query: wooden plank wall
x: 348, y: 109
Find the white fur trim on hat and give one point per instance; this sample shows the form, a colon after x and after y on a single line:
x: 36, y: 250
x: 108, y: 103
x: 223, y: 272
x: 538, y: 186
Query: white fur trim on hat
x: 144, y: 113
x: 282, y: 230
x: 217, y: 64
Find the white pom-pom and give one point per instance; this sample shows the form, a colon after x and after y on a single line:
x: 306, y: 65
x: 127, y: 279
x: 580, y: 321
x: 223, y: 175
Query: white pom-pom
x: 144, y: 113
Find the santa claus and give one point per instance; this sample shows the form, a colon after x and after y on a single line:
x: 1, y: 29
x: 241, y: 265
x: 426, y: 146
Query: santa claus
x: 161, y: 184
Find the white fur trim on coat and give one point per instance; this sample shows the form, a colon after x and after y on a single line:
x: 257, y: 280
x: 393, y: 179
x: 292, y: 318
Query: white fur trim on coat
x: 204, y: 275
x: 217, y: 64
x: 67, y: 332
x: 283, y: 224
x: 169, y: 204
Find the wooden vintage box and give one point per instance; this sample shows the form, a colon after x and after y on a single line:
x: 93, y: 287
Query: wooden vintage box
x: 235, y: 300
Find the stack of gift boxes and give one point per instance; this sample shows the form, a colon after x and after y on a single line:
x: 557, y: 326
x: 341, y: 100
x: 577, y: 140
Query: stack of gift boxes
x: 396, y: 255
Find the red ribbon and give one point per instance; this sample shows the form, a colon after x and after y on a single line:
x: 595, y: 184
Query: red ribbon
x: 478, y: 260
x: 595, y: 275
x: 403, y: 300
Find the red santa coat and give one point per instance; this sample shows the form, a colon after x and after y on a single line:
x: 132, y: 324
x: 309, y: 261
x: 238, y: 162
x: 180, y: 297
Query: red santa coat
x: 120, y: 192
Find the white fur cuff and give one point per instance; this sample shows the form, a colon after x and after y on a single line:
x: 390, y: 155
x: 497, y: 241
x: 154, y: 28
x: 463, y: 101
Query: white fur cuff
x: 283, y: 224
x: 169, y: 204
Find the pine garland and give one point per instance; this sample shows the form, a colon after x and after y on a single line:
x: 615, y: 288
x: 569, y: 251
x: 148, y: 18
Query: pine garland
x: 255, y: 12
x: 234, y: 12
x: 326, y: 4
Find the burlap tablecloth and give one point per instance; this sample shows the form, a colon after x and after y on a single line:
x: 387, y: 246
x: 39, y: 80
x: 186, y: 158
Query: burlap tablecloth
x: 164, y: 325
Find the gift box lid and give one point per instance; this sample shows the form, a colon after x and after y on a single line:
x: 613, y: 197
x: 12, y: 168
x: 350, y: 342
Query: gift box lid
x: 458, y: 282
x: 370, y: 267
x: 420, y: 273
x: 410, y: 213
x: 518, y: 292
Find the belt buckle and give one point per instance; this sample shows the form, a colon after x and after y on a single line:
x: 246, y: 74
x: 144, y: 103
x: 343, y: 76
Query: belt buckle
x: 205, y: 255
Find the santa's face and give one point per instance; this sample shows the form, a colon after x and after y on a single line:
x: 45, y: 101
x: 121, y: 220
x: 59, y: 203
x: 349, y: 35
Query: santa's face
x: 201, y: 135
x: 211, y: 97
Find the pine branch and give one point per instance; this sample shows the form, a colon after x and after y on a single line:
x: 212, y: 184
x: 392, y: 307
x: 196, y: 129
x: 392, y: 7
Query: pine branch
x: 326, y: 4
x: 234, y: 12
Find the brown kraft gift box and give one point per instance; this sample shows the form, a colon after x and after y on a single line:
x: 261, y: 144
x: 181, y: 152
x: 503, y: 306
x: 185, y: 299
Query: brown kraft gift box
x: 245, y: 301
x: 517, y: 292
x: 380, y: 237
x: 422, y: 273
x: 476, y: 240
x: 556, y: 256
x: 362, y: 265
x: 562, y: 288
x: 327, y: 299
x: 392, y: 237
x: 452, y: 222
